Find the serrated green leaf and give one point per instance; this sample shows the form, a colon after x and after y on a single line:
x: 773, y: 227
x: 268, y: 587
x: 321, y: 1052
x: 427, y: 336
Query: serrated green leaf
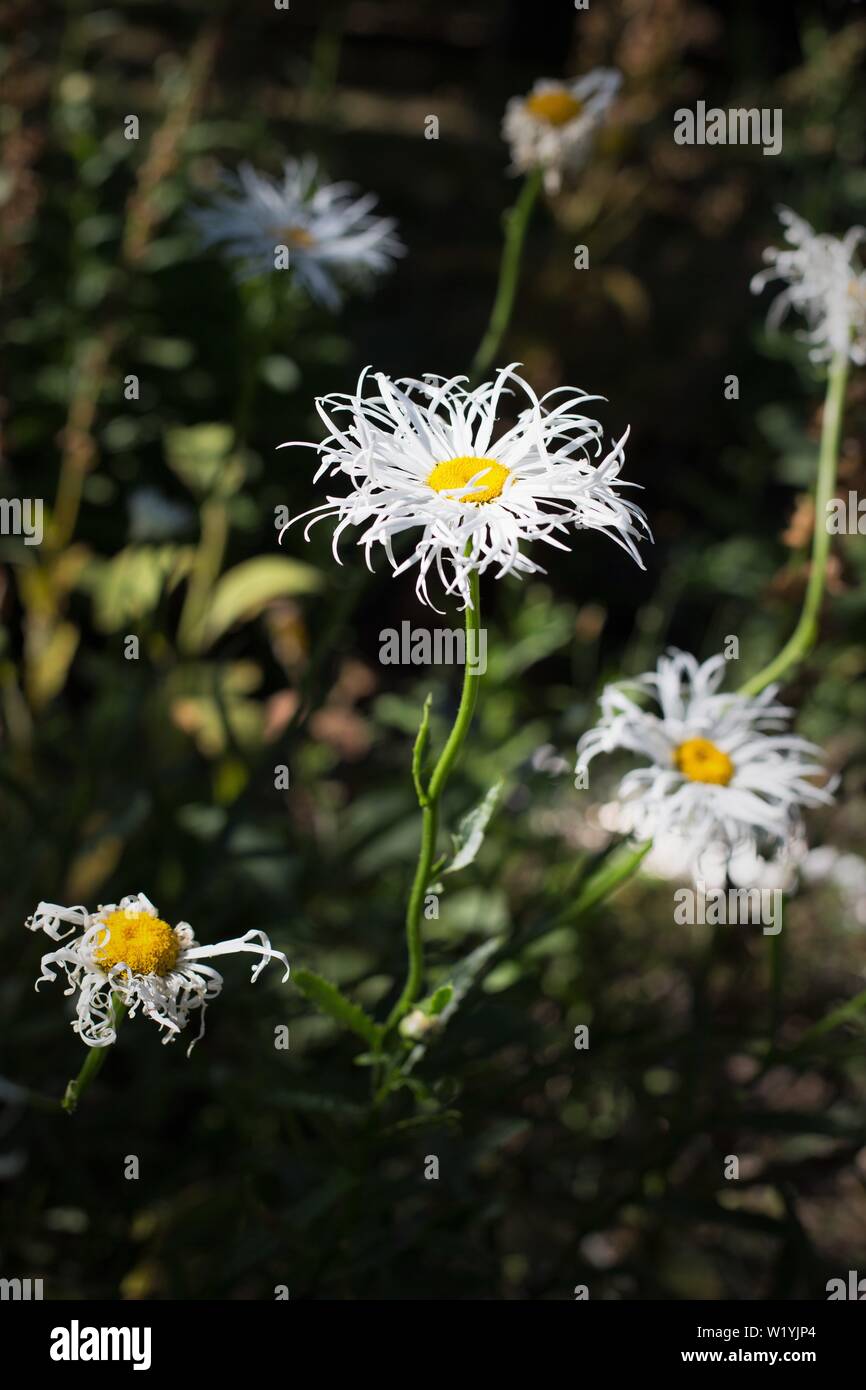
x: 330, y: 1000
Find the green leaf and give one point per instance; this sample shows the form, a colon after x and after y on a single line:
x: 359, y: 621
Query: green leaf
x: 329, y: 999
x: 470, y: 832
x: 248, y: 588
x: 615, y: 870
x: 203, y: 458
x: 468, y: 970
x: 128, y: 587
x: 440, y: 999
x: 418, y: 752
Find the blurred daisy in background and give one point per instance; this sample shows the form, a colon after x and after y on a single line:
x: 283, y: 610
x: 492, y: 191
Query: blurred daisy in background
x: 421, y: 454
x: 125, y: 949
x: 554, y: 127
x: 846, y: 874
x: 824, y: 283
x: 674, y: 857
x: 333, y: 242
x: 721, y: 777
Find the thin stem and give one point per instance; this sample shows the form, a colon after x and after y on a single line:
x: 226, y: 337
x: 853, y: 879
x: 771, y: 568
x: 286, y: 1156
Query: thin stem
x: 516, y: 222
x: 805, y: 634
x: 468, y: 695
x: 777, y: 979
x: 93, y: 1062
x: 429, y: 802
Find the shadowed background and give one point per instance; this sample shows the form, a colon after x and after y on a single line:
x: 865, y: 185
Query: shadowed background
x: 262, y: 1167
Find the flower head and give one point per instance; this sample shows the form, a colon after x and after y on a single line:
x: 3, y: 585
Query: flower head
x: 721, y: 776
x: 422, y: 455
x: 824, y: 283
x: 333, y: 242
x: 126, y: 949
x: 553, y: 128
x: 418, y: 1025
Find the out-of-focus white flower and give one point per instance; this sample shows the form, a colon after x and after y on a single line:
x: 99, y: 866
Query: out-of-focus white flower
x: 422, y: 454
x: 332, y: 240
x: 720, y: 779
x: 554, y: 127
x: 846, y: 873
x: 546, y: 759
x: 125, y: 949
x: 672, y: 857
x: 824, y: 284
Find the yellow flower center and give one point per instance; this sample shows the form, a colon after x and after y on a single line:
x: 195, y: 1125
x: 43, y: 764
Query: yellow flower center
x: 455, y: 473
x: 555, y: 107
x: 295, y: 236
x: 701, y: 761
x: 146, y: 944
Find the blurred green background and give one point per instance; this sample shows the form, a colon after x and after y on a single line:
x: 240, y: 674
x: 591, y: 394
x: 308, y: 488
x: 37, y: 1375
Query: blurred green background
x: 557, y: 1167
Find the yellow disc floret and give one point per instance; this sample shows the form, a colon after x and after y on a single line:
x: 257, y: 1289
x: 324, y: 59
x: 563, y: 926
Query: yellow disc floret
x: 701, y: 761
x: 555, y: 107
x: 147, y: 945
x: 296, y: 236
x: 456, y: 473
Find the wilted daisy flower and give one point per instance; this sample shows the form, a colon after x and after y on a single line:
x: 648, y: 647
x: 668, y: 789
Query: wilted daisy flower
x: 718, y: 777
x: 126, y: 949
x: 553, y: 128
x: 333, y: 242
x: 823, y: 283
x: 422, y: 454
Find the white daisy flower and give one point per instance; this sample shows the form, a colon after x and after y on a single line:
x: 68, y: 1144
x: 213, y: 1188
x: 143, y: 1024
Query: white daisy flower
x: 126, y: 949
x: 422, y: 454
x: 333, y: 242
x: 553, y: 128
x: 824, y: 283
x: 718, y: 778
x: 674, y: 857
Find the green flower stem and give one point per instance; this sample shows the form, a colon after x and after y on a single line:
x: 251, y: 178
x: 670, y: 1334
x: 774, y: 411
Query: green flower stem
x: 428, y: 799
x: 805, y: 634
x: 93, y: 1063
x: 777, y: 979
x: 516, y: 223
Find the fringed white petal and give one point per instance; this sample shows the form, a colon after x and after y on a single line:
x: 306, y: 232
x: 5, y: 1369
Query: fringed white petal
x: 399, y: 431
